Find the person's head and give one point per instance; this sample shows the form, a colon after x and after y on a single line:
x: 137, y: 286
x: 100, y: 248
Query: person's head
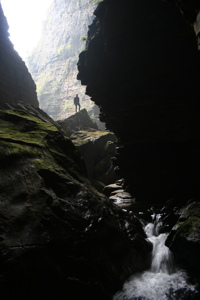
x: 76, y: 95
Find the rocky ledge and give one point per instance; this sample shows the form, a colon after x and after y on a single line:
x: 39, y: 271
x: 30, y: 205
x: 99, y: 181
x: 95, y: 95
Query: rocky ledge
x: 97, y: 147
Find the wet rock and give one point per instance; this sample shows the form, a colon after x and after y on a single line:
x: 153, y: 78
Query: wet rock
x: 184, y: 238
x: 97, y: 148
x: 116, y: 194
x: 111, y: 188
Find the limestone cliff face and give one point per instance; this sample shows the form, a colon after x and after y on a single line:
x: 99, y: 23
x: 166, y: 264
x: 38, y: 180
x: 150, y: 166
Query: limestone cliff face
x: 16, y: 83
x: 53, y: 63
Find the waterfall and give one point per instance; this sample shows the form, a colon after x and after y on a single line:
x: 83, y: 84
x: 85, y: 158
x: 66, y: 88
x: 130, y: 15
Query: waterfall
x: 163, y: 281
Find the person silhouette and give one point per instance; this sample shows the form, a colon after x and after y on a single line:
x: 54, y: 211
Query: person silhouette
x: 77, y: 102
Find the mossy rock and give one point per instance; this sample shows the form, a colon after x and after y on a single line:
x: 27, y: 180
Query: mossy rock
x: 184, y: 238
x: 57, y: 232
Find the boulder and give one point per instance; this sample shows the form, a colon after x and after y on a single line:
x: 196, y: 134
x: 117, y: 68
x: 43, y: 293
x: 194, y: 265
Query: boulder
x: 79, y: 121
x: 96, y: 146
x: 97, y: 149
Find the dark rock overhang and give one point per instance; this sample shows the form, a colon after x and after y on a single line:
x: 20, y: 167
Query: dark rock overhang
x: 141, y: 67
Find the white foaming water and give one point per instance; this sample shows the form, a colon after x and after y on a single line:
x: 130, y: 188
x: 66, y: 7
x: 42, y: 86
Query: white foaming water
x: 163, y: 281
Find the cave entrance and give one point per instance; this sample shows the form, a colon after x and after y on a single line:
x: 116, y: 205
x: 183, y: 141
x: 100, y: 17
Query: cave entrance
x: 49, y: 36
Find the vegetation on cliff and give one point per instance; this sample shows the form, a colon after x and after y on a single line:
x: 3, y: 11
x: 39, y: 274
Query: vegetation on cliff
x: 53, y: 63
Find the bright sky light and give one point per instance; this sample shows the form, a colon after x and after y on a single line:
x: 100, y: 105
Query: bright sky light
x: 25, y: 19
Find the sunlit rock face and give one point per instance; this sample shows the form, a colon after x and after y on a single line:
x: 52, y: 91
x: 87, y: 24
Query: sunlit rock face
x: 53, y: 63
x: 16, y: 83
x: 141, y: 67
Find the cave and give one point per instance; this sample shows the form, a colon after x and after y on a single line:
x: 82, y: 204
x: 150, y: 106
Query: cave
x: 60, y: 237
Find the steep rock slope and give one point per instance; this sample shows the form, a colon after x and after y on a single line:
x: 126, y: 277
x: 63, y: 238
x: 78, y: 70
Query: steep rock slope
x: 59, y: 238
x: 53, y: 64
x: 16, y: 83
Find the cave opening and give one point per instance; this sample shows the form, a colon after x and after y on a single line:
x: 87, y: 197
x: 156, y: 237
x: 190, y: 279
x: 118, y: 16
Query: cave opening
x: 58, y: 232
x: 49, y: 37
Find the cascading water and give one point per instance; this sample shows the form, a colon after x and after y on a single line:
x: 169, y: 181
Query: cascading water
x: 163, y: 281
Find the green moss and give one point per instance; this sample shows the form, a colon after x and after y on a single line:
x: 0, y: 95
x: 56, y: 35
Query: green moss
x: 60, y: 49
x: 47, y: 163
x: 19, y: 130
x: 24, y: 137
x: 29, y: 130
x: 68, y: 47
x: 63, y: 49
x: 9, y: 150
x: 82, y: 137
x: 6, y: 115
x: 41, y: 158
x: 96, y: 1
x: 192, y: 210
x: 187, y: 228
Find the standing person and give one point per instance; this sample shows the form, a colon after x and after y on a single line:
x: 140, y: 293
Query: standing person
x: 77, y: 102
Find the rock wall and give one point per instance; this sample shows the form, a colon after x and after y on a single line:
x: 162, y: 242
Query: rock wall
x: 184, y: 238
x: 141, y: 67
x: 189, y: 9
x: 96, y: 147
x: 16, y: 83
x: 53, y: 64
